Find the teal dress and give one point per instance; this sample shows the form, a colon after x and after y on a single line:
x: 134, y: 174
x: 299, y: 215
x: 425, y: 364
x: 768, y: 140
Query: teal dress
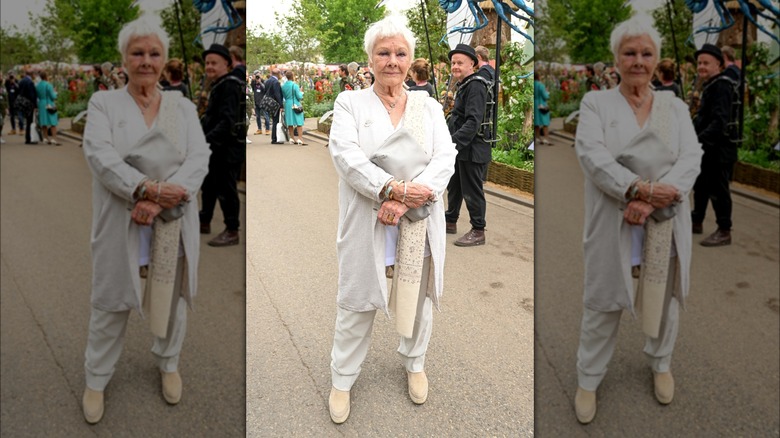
x: 292, y: 96
x: 540, y: 98
x: 46, y: 96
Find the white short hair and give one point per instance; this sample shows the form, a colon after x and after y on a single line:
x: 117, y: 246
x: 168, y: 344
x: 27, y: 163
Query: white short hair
x: 638, y: 25
x: 145, y: 25
x: 390, y: 26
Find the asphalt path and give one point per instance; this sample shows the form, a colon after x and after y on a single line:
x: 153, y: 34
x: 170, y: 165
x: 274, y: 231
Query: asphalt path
x: 480, y: 358
x: 45, y: 199
x: 726, y: 362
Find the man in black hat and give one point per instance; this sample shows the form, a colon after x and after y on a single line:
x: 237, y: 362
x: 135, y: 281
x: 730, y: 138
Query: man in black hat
x: 223, y: 125
x: 474, y: 154
x: 717, y: 138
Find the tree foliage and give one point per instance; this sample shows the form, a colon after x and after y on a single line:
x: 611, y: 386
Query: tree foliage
x: 17, y: 48
x: 682, y: 20
x: 189, y: 17
x: 343, y: 26
x: 585, y: 26
x: 93, y: 26
x: 53, y: 36
x: 264, y: 48
x: 550, y: 46
x: 436, y: 19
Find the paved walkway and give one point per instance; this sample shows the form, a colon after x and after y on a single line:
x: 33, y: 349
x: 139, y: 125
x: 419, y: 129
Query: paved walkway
x: 480, y: 360
x: 45, y: 272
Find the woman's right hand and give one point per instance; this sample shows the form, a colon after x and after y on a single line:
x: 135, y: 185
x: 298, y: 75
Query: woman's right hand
x: 663, y: 195
x: 416, y: 194
x: 167, y: 195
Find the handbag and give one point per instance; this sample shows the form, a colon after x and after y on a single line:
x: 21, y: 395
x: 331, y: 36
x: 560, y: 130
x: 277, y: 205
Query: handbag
x: 544, y: 109
x: 35, y: 133
x: 401, y: 156
x: 24, y: 105
x: 51, y: 108
x: 297, y: 108
x: 269, y: 104
x: 281, y: 133
x: 155, y: 156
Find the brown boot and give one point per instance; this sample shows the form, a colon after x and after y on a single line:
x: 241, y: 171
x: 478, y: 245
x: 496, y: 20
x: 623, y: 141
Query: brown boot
x: 472, y: 238
x: 718, y: 238
x: 697, y: 228
x: 452, y: 228
x: 225, y: 238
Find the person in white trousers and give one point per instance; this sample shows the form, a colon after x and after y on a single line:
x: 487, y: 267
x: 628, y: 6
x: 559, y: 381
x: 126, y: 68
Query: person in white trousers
x: 640, y: 157
x: 148, y: 157
x: 374, y: 229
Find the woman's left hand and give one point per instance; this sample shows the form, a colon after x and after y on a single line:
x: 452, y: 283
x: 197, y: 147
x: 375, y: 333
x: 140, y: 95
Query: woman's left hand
x: 145, y: 212
x: 637, y: 211
x: 391, y: 211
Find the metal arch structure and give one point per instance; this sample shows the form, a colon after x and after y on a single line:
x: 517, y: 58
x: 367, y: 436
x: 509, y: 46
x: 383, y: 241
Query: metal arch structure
x: 505, y: 14
x: 748, y: 9
x: 504, y: 11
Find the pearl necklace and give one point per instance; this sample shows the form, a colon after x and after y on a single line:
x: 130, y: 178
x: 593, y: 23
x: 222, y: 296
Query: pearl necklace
x: 391, y: 105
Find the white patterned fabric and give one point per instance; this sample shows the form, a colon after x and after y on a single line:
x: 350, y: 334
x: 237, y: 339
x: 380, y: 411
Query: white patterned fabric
x: 158, y: 294
x: 410, y: 250
x: 658, y: 241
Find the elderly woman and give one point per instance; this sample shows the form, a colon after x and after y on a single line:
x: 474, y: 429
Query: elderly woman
x: 292, y: 95
x: 639, y: 153
x: 388, y: 213
x: 148, y: 157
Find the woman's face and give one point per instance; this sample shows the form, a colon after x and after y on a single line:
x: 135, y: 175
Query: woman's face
x: 144, y: 60
x: 390, y: 60
x: 367, y: 77
x: 636, y: 61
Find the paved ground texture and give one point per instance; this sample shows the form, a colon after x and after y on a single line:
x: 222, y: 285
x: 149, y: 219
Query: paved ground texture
x: 726, y: 361
x: 480, y: 359
x: 46, y: 270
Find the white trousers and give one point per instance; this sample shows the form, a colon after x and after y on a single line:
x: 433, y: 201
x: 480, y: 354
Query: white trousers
x: 598, y: 336
x: 107, y: 336
x: 352, y: 338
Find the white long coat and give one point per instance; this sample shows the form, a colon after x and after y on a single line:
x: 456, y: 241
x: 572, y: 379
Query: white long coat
x: 606, y: 126
x: 360, y: 125
x: 114, y: 126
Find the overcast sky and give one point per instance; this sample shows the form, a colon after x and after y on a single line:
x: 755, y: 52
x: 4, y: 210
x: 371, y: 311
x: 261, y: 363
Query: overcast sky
x: 265, y: 15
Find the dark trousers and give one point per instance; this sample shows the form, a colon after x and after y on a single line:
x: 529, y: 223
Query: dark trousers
x: 275, y: 120
x: 713, y: 184
x: 29, y: 119
x: 221, y: 184
x: 16, y: 115
x: 262, y: 115
x: 466, y: 184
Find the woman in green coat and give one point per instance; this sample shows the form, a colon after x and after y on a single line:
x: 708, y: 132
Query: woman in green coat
x: 47, y: 98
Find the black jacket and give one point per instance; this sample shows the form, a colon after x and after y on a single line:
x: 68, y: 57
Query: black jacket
x: 712, y: 118
x: 274, y: 89
x: 258, y: 88
x: 223, y: 123
x: 27, y: 89
x: 466, y: 118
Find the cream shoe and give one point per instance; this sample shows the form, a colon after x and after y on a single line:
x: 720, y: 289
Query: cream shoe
x: 585, y: 405
x: 338, y: 402
x: 418, y: 386
x: 171, y: 387
x: 92, y: 402
x: 664, y: 387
